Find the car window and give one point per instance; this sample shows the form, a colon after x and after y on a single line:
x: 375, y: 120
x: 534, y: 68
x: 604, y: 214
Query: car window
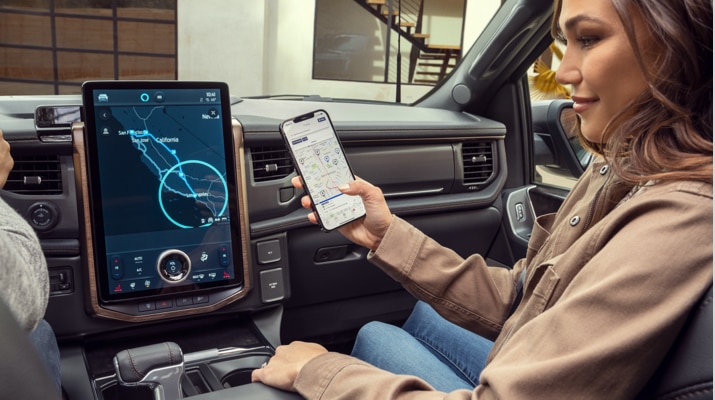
x: 51, y: 47
x: 350, y: 38
x: 340, y: 49
x: 330, y: 48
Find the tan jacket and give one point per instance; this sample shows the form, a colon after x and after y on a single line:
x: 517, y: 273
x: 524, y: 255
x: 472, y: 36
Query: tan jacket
x: 607, y: 289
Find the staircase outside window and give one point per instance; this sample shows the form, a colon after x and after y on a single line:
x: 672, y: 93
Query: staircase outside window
x: 424, y: 36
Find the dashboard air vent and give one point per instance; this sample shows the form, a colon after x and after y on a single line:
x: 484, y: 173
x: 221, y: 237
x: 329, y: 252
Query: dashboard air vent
x: 478, y: 161
x: 270, y: 163
x: 35, y: 175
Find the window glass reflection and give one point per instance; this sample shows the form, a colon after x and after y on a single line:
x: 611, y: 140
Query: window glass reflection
x: 50, y: 47
x: 30, y: 30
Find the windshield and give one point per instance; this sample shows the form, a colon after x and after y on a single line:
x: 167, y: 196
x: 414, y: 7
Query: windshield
x: 327, y: 48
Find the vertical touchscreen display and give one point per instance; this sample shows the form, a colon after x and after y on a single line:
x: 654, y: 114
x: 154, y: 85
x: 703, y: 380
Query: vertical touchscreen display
x: 322, y: 164
x: 162, y: 182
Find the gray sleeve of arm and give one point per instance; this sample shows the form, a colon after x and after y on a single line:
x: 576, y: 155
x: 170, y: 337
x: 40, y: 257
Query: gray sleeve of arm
x: 24, y: 280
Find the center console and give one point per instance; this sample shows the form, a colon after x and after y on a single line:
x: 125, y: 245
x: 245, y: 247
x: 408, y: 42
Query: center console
x: 137, y: 191
x: 217, y: 356
x: 212, y: 360
x: 164, y: 235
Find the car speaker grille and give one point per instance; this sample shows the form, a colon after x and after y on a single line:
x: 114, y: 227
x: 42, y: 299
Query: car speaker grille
x: 270, y: 163
x: 35, y: 175
x: 478, y: 161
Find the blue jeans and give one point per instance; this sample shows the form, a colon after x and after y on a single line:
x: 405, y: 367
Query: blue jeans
x: 441, y: 353
x: 43, y: 339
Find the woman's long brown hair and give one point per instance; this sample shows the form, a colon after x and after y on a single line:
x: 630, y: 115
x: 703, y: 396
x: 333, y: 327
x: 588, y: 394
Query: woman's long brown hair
x: 666, y: 132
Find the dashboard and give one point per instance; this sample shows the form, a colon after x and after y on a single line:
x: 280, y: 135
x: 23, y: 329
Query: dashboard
x: 135, y: 257
x: 51, y: 187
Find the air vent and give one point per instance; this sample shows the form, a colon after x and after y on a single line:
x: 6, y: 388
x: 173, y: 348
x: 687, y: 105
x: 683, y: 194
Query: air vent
x: 478, y: 161
x: 35, y: 175
x: 270, y: 163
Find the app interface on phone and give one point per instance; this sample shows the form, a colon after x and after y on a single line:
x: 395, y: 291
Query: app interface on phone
x: 323, y: 166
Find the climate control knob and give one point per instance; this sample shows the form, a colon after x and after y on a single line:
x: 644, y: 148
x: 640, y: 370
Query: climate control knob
x: 173, y: 266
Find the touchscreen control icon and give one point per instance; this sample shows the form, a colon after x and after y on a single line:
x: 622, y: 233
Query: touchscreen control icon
x: 173, y: 266
x: 116, y: 269
x: 211, y: 113
x: 144, y: 97
x: 223, y: 256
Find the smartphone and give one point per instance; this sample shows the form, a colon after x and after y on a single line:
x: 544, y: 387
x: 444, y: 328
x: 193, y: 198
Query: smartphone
x: 320, y: 160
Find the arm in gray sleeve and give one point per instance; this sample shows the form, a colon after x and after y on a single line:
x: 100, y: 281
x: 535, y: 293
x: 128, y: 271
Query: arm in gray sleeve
x: 24, y: 280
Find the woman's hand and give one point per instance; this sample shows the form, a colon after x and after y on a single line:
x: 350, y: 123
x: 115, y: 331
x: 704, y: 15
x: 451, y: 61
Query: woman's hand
x: 368, y: 231
x: 6, y: 161
x: 283, y: 368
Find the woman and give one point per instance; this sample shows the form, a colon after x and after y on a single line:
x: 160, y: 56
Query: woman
x: 608, y: 280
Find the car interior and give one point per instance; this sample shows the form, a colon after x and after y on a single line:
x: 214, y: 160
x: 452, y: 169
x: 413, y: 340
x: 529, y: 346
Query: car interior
x: 152, y: 302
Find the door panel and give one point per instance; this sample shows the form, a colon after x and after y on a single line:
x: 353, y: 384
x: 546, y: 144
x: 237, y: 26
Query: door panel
x: 340, y: 295
x: 351, y: 275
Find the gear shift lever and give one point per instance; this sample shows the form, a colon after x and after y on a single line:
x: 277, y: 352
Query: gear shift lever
x: 159, y: 366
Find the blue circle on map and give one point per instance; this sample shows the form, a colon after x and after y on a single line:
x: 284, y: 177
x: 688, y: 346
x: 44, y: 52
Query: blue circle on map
x: 181, y: 175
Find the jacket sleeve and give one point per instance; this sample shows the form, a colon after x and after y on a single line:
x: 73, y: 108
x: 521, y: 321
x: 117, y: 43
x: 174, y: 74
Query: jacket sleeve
x: 466, y: 292
x: 337, y: 376
x: 24, y: 280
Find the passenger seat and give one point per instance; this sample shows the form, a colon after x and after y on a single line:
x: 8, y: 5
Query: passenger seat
x: 687, y: 372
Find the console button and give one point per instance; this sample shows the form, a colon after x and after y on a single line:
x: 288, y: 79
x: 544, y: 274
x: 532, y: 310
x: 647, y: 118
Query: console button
x: 60, y: 280
x: 201, y: 298
x: 163, y: 304
x: 268, y: 251
x: 43, y: 216
x: 184, y: 301
x: 272, y: 285
x: 147, y: 306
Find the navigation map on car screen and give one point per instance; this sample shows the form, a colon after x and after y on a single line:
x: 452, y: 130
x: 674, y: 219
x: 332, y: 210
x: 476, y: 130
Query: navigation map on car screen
x: 162, y: 188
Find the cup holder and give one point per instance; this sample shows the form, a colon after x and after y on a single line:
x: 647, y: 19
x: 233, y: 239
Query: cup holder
x: 237, y: 378
x: 237, y: 371
x: 119, y: 392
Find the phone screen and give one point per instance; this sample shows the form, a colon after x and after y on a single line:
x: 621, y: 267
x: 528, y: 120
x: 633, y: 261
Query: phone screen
x: 323, y: 166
